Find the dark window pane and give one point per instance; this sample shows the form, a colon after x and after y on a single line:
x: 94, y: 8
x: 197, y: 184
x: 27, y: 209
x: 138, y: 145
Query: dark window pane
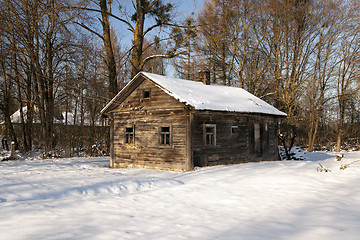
x: 147, y: 94
x: 165, y: 129
x: 165, y: 139
x: 210, y: 134
x: 129, y: 135
x: 234, y: 129
x: 209, y: 129
x: 207, y: 139
x: 165, y: 135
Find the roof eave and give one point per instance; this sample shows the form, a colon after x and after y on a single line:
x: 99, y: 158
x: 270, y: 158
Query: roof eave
x: 282, y: 115
x: 105, y: 111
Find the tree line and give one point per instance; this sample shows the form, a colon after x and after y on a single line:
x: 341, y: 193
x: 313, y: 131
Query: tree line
x: 302, y: 56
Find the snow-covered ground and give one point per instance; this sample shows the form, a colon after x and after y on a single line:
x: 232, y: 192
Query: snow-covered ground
x: 81, y: 198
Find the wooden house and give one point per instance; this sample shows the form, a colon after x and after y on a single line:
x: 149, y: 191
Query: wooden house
x: 168, y: 123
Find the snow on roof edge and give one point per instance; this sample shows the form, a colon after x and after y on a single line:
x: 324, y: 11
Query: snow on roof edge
x: 212, y: 100
x: 201, y: 101
x: 118, y: 94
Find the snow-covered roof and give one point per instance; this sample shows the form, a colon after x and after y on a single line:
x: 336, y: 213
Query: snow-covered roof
x: 207, y: 97
x: 15, y: 117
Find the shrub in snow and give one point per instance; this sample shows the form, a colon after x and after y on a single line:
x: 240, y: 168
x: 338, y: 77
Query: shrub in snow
x: 295, y: 154
x: 344, y: 165
x: 321, y: 168
x: 287, y: 137
x: 339, y: 157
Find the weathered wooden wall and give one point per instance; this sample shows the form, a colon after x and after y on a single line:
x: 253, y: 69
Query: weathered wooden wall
x: 187, y: 148
x: 231, y: 147
x: 148, y: 116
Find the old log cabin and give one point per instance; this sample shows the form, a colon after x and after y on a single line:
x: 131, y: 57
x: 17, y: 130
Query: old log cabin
x: 169, y: 123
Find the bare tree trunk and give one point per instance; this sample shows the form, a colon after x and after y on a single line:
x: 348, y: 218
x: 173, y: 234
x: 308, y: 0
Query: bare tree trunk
x: 22, y: 122
x: 17, y: 80
x: 314, y: 122
x: 341, y: 122
x: 338, y: 139
x: 29, y: 115
x: 32, y: 27
x: 138, y: 37
x: 312, y: 142
x: 6, y: 105
x: 110, y: 58
x: 310, y: 134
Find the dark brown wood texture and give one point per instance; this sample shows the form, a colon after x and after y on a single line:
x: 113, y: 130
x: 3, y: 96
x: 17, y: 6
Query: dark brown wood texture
x: 233, y: 147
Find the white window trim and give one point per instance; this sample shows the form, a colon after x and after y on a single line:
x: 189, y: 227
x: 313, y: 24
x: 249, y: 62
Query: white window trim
x: 234, y: 127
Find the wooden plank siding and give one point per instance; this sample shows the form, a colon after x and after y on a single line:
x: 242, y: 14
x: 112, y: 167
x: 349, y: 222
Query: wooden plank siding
x: 147, y: 116
x: 147, y: 108
x: 237, y: 147
x: 158, y: 99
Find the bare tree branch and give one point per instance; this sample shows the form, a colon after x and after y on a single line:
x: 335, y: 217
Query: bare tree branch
x: 131, y: 28
x: 89, y: 29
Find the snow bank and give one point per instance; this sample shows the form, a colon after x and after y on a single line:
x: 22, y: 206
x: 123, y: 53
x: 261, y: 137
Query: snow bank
x: 81, y: 198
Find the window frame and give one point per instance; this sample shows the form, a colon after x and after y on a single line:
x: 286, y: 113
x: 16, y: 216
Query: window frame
x: 128, y: 135
x: 213, y: 144
x: 164, y: 133
x: 233, y: 128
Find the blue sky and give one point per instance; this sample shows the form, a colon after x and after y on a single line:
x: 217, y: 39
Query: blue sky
x: 183, y: 8
x: 188, y: 6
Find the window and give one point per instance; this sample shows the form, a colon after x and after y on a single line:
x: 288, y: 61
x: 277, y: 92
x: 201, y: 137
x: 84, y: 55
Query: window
x: 210, y: 134
x: 234, y: 129
x: 257, y: 139
x: 146, y: 94
x: 266, y: 133
x: 129, y: 135
x: 165, y: 135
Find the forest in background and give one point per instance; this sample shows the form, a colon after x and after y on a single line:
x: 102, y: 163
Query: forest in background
x: 302, y: 56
